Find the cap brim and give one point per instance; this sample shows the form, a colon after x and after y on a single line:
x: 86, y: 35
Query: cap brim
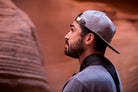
x: 110, y: 46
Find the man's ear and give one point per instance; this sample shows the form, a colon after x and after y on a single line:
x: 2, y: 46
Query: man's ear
x: 89, y: 38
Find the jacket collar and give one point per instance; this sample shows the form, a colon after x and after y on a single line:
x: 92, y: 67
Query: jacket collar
x: 94, y: 59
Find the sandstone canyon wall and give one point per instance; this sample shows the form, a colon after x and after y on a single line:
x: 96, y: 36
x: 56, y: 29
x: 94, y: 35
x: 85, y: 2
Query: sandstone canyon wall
x: 52, y: 19
x: 21, y: 60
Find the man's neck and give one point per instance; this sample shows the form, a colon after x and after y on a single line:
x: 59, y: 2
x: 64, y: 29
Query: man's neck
x: 86, y: 54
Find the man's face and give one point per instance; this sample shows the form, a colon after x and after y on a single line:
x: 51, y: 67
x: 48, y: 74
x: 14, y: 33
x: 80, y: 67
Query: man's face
x: 74, y: 41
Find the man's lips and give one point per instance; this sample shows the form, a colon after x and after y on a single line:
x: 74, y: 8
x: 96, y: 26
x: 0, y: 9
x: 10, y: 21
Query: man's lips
x: 66, y: 44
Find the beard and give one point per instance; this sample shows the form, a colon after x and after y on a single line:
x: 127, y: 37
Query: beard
x: 75, y: 49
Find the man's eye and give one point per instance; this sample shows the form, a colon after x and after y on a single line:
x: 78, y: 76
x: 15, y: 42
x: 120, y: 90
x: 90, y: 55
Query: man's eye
x: 72, y: 29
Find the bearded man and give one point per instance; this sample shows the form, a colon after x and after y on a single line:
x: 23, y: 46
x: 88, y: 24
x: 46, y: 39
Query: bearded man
x: 91, y: 32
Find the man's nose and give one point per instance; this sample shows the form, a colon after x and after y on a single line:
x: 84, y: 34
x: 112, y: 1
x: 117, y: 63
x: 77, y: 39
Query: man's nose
x: 67, y: 36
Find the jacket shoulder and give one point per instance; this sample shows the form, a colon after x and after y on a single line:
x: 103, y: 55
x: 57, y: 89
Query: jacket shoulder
x: 96, y: 77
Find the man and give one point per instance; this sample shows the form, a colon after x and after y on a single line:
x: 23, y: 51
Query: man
x: 90, y: 34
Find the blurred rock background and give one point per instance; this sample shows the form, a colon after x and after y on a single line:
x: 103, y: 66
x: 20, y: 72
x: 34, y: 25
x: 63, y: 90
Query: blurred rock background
x: 52, y: 19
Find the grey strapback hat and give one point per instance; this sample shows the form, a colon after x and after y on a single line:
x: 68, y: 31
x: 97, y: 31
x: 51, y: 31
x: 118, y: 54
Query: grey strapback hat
x: 100, y: 24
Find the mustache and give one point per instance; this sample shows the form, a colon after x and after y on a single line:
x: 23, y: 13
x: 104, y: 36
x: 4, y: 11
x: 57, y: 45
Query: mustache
x: 66, y: 42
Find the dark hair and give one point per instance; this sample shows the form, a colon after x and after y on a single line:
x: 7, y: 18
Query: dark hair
x: 99, y: 44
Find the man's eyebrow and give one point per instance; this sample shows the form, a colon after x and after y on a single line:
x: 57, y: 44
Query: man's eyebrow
x: 72, y: 25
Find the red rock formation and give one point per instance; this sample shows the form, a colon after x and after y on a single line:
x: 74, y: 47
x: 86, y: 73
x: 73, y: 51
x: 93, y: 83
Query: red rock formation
x: 21, y: 60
